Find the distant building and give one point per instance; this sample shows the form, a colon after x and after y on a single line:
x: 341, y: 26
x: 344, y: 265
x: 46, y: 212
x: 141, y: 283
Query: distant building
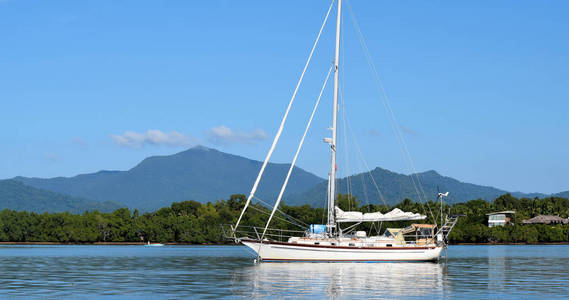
x: 541, y: 219
x: 499, y: 218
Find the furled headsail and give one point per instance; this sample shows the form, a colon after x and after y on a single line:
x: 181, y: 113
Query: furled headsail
x: 395, y: 215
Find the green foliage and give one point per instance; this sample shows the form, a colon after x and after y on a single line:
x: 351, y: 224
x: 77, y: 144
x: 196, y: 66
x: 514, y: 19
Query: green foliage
x: 472, y: 228
x: 347, y: 202
x: 196, y: 223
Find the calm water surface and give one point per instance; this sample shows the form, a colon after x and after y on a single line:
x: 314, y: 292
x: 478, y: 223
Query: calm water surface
x: 228, y: 271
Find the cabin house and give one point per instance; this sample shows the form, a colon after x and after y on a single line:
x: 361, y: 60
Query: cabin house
x: 396, y: 234
x: 424, y: 233
x: 500, y: 218
x: 541, y: 219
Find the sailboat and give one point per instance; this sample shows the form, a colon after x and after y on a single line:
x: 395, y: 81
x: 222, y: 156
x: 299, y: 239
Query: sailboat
x: 337, y: 240
x: 148, y: 244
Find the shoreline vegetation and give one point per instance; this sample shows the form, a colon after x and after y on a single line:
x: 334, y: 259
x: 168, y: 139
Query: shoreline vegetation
x: 233, y: 244
x: 194, y: 223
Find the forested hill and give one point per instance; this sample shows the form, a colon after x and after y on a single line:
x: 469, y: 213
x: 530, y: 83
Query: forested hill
x: 19, y: 197
x: 196, y: 223
x: 203, y: 174
x: 200, y: 174
x: 395, y: 187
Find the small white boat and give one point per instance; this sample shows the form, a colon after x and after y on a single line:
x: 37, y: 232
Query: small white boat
x: 148, y: 244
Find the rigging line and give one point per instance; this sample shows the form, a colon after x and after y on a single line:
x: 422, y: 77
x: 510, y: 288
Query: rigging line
x: 347, y: 158
x: 361, y: 172
x: 268, y: 206
x: 277, y: 136
x: 364, y: 161
x: 278, y: 218
x: 382, y: 92
x: 364, y: 186
x: 346, y: 152
x: 325, y: 202
x: 348, y: 169
x: 391, y: 115
x: 346, y: 119
x: 298, y: 150
x: 282, y: 212
x: 407, y: 157
x: 363, y: 179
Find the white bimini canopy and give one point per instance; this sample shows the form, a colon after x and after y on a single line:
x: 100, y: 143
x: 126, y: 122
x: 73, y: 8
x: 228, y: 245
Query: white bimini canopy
x: 395, y: 215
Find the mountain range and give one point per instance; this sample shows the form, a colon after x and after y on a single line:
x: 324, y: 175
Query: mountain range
x: 15, y: 195
x: 205, y: 174
x: 393, y: 187
x: 200, y: 174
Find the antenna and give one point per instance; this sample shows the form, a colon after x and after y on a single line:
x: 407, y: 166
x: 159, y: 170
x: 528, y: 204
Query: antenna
x: 440, y: 196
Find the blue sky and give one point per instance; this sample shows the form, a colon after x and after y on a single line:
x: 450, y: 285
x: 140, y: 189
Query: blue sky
x: 480, y: 89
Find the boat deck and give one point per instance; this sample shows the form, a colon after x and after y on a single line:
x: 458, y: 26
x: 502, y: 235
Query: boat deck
x: 368, y: 242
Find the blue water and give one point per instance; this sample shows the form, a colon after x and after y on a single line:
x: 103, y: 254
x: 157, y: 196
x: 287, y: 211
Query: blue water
x: 228, y: 271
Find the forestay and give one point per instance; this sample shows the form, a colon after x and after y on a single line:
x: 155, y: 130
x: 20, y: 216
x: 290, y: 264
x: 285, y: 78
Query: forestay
x: 395, y: 215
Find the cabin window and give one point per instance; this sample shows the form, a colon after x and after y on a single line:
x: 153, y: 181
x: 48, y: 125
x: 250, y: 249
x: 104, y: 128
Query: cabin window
x: 425, y: 232
x: 333, y: 244
x: 316, y: 243
x: 370, y: 245
x: 352, y: 245
x: 389, y: 245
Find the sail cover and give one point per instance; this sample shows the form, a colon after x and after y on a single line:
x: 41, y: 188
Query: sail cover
x: 395, y: 215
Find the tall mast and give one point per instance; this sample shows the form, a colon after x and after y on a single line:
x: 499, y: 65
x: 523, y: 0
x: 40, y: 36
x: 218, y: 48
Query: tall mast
x: 332, y: 177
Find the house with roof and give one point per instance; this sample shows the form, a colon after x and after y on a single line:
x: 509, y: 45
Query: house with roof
x: 546, y: 219
x: 500, y: 218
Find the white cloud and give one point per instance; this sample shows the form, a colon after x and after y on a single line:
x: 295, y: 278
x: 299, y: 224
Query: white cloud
x: 132, y: 139
x: 225, y: 135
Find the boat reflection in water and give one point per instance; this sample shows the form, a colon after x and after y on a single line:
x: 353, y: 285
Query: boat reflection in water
x: 343, y: 279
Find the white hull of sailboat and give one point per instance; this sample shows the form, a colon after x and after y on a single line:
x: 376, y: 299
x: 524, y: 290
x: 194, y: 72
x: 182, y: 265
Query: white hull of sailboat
x: 288, y: 252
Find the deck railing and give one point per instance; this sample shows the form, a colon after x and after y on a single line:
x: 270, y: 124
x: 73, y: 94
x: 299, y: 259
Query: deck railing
x: 252, y: 232
x: 282, y: 235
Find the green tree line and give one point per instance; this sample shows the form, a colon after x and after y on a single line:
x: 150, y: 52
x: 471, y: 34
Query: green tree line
x: 192, y: 222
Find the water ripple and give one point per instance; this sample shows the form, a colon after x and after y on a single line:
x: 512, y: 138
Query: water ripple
x: 229, y: 272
